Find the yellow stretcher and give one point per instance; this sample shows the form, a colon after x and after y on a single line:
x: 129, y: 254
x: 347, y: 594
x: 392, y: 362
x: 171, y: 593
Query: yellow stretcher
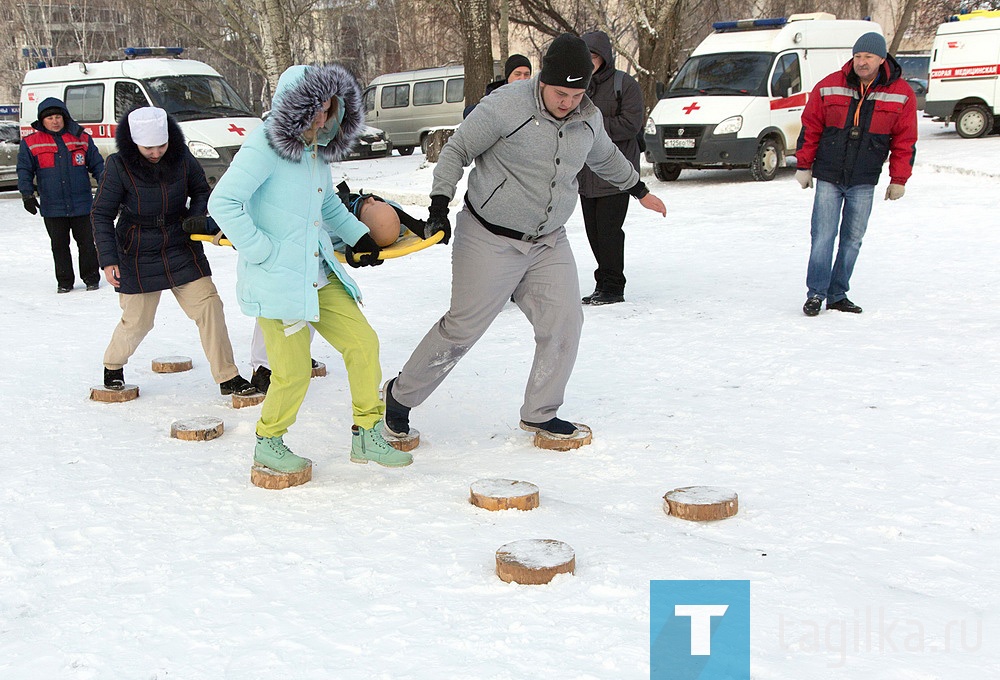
x: 406, y: 244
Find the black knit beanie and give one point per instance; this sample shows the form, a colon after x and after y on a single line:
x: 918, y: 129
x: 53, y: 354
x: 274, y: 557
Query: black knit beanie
x: 51, y: 111
x: 515, y: 61
x: 567, y: 63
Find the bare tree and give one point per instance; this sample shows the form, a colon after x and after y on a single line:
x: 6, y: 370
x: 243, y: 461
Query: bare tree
x: 475, y: 15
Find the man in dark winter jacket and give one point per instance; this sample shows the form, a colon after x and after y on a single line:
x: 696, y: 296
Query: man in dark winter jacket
x: 604, y: 205
x: 517, y: 67
x: 62, y: 157
x: 854, y: 120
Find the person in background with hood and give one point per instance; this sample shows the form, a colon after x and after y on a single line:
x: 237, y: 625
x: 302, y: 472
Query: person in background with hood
x: 62, y: 157
x: 278, y: 206
x: 854, y: 119
x: 146, y: 188
x: 604, y: 205
x: 517, y: 67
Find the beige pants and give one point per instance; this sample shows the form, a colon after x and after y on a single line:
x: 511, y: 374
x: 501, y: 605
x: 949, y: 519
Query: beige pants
x: 200, y: 301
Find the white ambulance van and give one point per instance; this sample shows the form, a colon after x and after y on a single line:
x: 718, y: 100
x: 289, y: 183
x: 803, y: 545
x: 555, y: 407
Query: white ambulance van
x: 214, y: 119
x: 737, y: 101
x: 963, y: 84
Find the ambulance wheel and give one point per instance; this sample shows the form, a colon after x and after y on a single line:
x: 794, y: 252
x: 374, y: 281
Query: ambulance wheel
x: 764, y: 165
x: 404, y: 150
x: 424, y: 143
x: 974, y: 121
x: 666, y: 172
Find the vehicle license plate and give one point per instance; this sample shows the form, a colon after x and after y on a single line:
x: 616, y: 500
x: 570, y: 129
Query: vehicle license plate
x: 678, y: 143
x: 380, y: 146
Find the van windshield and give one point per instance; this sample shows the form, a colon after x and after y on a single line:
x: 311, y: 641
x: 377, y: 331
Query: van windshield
x: 193, y: 97
x: 729, y: 73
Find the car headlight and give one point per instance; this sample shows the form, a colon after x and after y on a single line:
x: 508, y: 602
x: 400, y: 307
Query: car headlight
x: 650, y: 128
x: 729, y: 126
x: 202, y: 150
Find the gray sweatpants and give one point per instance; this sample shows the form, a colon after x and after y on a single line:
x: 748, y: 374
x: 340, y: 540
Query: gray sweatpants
x: 486, y: 270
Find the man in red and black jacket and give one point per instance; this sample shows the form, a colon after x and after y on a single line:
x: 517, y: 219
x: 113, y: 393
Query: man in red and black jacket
x: 854, y: 120
x: 60, y: 157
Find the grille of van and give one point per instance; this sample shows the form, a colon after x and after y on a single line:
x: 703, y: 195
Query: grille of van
x: 672, y: 132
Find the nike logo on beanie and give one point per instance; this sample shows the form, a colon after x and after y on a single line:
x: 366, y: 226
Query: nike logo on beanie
x: 570, y: 79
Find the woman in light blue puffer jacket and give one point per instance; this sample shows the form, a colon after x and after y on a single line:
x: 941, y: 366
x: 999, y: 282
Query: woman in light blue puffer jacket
x: 277, y: 205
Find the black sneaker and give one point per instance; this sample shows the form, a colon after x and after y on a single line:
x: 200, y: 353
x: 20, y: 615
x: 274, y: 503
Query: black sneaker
x: 238, y: 386
x: 93, y: 286
x: 397, y: 416
x: 844, y: 305
x: 586, y: 300
x: 603, y: 297
x: 812, y: 306
x: 261, y: 379
x: 114, y: 379
x: 64, y: 289
x: 556, y: 427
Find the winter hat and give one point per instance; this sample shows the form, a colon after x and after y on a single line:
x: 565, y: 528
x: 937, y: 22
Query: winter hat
x: 567, y: 63
x: 872, y: 43
x: 515, y: 61
x: 50, y: 111
x: 148, y: 126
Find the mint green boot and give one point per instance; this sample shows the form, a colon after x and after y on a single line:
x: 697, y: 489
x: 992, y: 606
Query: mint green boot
x: 272, y: 453
x: 369, y: 445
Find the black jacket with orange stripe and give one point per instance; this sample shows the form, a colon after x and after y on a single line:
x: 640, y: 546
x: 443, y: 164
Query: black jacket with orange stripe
x: 887, y: 124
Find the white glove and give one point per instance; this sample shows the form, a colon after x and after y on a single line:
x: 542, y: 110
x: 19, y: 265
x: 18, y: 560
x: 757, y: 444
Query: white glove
x: 894, y: 192
x: 804, y: 178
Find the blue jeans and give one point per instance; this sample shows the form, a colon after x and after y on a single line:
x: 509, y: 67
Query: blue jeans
x: 843, y: 210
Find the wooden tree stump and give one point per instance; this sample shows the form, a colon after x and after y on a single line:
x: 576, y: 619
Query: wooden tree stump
x: 266, y: 478
x: 319, y: 370
x: 701, y: 503
x: 403, y: 443
x: 534, y: 561
x: 249, y: 400
x: 171, y: 364
x: 503, y: 494
x: 197, y: 429
x: 436, y: 141
x: 102, y: 393
x: 582, y: 437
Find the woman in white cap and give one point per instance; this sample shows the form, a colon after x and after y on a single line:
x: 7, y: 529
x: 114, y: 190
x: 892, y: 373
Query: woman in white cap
x: 146, y: 187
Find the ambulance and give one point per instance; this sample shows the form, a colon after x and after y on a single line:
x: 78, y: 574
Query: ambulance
x: 214, y: 119
x: 963, y: 85
x: 737, y: 101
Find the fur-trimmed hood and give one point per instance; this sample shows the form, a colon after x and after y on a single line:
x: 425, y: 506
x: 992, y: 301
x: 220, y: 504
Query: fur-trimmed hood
x: 170, y: 165
x: 300, y: 93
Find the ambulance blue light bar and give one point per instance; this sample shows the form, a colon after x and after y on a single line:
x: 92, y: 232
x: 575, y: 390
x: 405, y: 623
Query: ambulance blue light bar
x: 152, y: 51
x: 749, y: 24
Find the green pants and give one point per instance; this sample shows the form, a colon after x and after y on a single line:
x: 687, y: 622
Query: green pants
x: 343, y: 325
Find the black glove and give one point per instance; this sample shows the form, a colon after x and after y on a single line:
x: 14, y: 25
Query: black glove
x: 437, y: 219
x: 198, y: 224
x: 367, y: 251
x: 30, y: 204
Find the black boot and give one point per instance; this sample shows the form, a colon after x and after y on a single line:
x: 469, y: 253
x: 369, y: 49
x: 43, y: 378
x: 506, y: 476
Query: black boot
x: 603, y: 297
x: 812, y: 306
x: 114, y: 379
x: 261, y: 379
x: 844, y: 305
x: 238, y: 386
x: 397, y: 416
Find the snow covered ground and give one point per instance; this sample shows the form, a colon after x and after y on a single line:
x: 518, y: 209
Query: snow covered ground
x: 864, y: 449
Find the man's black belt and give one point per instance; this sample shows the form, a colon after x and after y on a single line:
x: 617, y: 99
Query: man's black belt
x: 496, y: 228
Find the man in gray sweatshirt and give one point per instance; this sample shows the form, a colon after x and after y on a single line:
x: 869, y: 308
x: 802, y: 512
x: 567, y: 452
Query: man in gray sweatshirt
x: 528, y: 141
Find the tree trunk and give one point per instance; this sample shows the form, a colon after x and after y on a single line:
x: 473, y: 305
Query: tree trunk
x: 475, y: 17
x: 904, y: 23
x: 275, y: 43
